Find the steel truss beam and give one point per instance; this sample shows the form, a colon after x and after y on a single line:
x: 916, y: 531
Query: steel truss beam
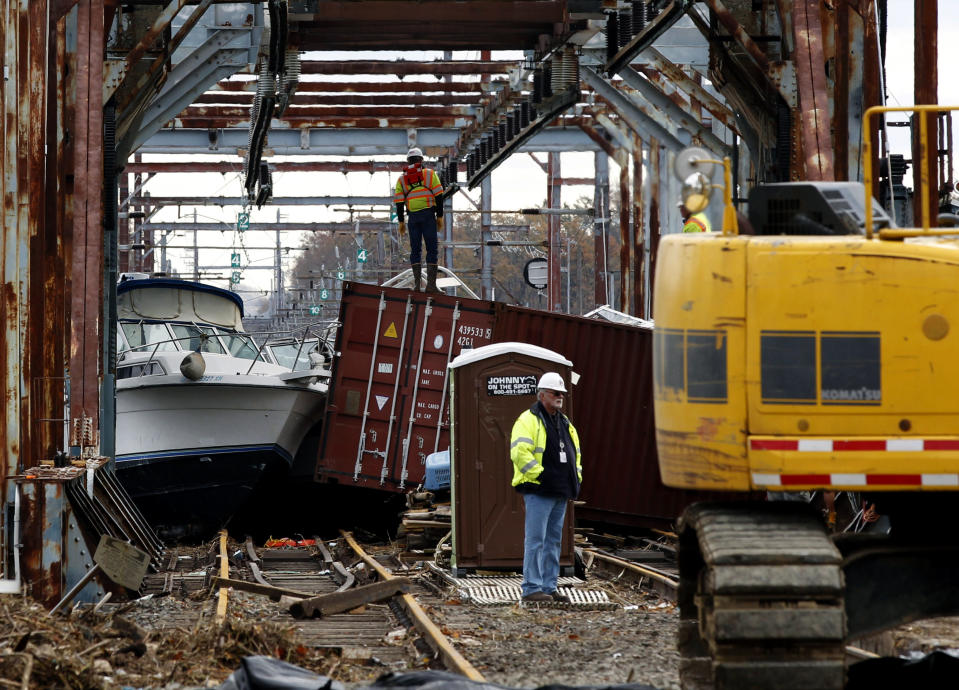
x: 405, y: 86
x: 401, y: 67
x: 345, y: 142
x: 275, y: 201
x: 226, y: 167
x: 362, y: 226
x: 632, y: 114
x: 355, y: 99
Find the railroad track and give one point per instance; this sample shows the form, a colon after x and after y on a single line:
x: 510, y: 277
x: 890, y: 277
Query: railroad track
x: 393, y: 631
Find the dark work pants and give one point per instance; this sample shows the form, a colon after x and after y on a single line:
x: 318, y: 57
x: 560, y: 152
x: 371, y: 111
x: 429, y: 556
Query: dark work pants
x: 422, y: 227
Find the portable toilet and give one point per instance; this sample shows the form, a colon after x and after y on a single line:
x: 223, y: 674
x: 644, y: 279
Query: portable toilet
x: 489, y: 388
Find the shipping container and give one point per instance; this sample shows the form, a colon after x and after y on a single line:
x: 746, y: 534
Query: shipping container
x: 386, y: 408
x: 388, y: 402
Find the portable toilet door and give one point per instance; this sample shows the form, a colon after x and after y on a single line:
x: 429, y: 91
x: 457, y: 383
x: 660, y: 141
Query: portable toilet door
x: 489, y: 388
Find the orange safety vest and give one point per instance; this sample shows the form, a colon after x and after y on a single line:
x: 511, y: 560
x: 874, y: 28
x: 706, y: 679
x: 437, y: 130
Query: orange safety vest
x: 418, y: 190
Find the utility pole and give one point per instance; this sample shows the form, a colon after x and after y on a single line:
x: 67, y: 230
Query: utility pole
x: 486, y: 203
x: 601, y: 294
x: 279, y: 266
x: 196, y: 252
x: 554, y: 288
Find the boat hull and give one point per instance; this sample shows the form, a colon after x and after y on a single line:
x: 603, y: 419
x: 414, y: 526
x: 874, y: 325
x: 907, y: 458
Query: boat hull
x: 191, y: 453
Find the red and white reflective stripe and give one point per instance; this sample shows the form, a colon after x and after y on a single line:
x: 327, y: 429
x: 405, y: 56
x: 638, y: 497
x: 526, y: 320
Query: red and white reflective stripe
x: 854, y: 479
x: 825, y: 445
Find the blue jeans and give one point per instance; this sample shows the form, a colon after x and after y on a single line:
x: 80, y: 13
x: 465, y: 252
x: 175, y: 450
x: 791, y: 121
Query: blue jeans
x: 422, y: 227
x: 544, y: 539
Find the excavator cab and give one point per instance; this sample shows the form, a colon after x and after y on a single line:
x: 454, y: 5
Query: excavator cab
x: 818, y: 353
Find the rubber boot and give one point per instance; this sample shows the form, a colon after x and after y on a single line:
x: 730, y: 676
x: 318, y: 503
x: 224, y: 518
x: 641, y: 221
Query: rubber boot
x: 431, y: 279
x: 416, y: 277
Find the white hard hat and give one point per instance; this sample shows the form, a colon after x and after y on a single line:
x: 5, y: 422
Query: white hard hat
x: 415, y: 152
x: 551, y: 381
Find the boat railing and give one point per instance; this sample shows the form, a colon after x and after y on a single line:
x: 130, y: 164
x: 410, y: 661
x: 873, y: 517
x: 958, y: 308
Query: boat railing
x: 322, y: 331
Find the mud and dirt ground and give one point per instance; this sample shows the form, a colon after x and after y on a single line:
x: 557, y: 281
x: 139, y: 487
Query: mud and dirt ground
x: 172, y: 642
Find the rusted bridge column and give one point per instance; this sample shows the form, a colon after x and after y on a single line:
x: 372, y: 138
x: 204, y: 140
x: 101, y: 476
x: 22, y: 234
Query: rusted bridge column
x: 23, y: 183
x: 656, y: 167
x: 87, y: 236
x: 625, y: 244
x: 639, y: 235
x: 810, y: 64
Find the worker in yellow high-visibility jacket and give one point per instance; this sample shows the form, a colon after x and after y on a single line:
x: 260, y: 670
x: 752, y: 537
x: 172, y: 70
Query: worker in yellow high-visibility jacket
x: 420, y: 192
x: 694, y: 222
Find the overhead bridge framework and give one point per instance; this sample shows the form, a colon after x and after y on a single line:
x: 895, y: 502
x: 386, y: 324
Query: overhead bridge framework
x: 91, y: 86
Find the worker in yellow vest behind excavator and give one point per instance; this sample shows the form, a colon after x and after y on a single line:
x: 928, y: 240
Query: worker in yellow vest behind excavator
x: 420, y: 192
x: 694, y: 222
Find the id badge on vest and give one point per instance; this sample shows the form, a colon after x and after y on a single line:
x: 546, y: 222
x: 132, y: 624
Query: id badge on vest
x: 562, y: 451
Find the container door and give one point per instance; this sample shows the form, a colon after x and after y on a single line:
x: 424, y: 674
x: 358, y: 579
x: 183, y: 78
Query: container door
x: 387, y: 408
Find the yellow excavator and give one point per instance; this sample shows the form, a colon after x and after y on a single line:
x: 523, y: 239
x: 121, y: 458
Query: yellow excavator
x: 820, y: 352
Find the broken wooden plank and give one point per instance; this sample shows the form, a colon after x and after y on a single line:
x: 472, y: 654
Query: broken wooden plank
x: 338, y: 602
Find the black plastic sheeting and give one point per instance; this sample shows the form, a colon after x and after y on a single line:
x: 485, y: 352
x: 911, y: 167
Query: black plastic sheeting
x: 442, y: 680
x: 935, y: 671
x: 267, y: 673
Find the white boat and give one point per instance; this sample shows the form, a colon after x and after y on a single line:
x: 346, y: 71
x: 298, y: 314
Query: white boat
x: 203, y: 411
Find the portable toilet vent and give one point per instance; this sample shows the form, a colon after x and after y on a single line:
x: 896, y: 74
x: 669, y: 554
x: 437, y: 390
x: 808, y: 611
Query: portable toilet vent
x: 437, y: 471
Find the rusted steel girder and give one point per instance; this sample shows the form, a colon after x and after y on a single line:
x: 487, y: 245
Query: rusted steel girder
x: 402, y: 67
x: 813, y: 97
x: 87, y: 236
x: 281, y: 166
x: 47, y: 392
x: 294, y: 112
x: 687, y: 84
x: 149, y: 38
x: 871, y: 79
x: 422, y: 13
x: 625, y: 245
x: 926, y: 89
x: 23, y: 91
x: 302, y: 99
x: 639, y: 239
x: 728, y: 20
x: 321, y: 122
x: 656, y: 167
x: 370, y: 86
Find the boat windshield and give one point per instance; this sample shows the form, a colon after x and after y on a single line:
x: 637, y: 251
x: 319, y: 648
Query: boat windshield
x: 190, y: 337
x: 144, y: 336
x: 285, y: 355
x: 241, y: 346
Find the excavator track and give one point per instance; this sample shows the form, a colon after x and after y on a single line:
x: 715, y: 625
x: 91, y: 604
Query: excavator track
x: 761, y: 599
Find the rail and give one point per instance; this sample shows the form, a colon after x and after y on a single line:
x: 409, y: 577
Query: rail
x: 666, y: 579
x: 433, y: 635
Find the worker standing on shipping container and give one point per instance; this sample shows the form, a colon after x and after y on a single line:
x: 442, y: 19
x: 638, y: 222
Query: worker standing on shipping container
x: 548, y: 471
x: 420, y: 192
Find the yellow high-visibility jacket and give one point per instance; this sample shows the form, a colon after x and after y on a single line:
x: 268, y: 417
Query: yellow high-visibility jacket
x: 419, y: 196
x: 698, y: 222
x: 527, y: 444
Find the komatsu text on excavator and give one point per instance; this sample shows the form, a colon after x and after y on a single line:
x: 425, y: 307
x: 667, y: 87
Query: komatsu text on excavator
x: 820, y: 352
